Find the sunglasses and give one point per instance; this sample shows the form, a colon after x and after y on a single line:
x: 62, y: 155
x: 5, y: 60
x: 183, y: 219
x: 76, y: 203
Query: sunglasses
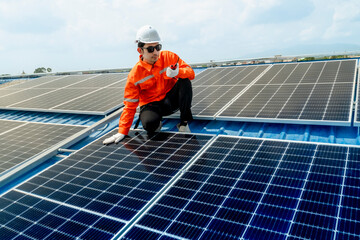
x: 152, y: 48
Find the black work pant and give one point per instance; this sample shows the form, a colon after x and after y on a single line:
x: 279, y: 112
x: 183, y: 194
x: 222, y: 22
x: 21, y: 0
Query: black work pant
x: 179, y: 97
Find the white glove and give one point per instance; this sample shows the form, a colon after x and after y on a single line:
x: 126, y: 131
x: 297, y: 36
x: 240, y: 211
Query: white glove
x: 172, y: 73
x: 114, y: 139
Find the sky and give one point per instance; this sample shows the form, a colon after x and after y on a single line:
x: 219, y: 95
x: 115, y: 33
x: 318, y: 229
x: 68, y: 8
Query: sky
x: 76, y: 35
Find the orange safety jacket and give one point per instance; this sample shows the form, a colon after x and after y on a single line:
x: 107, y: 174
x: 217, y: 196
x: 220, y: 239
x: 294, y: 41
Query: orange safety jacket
x: 148, y: 83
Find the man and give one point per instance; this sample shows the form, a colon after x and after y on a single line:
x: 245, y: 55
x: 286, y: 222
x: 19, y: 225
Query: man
x: 159, y: 83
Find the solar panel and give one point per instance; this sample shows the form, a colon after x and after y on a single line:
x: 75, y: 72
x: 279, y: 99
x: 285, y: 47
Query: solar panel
x: 20, y: 141
x: 95, y: 101
x: 315, y: 93
x: 229, y: 75
x: 6, y: 126
x: 243, y: 188
x: 49, y: 99
x: 214, y: 88
x: 208, y: 100
x: 36, y: 82
x: 69, y: 94
x: 6, y: 91
x: 21, y: 96
x: 177, y: 186
x: 97, y: 190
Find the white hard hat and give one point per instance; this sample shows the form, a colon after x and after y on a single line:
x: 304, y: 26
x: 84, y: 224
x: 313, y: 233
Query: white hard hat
x: 147, y: 34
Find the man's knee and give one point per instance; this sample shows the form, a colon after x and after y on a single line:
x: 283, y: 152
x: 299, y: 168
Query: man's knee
x: 184, y: 82
x: 185, y: 88
x: 150, y: 120
x: 151, y: 126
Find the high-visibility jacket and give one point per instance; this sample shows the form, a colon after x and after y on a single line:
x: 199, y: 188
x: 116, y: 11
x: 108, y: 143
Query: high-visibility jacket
x: 148, y: 83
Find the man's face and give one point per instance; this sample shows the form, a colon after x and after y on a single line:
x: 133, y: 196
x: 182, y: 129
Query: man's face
x: 150, y: 58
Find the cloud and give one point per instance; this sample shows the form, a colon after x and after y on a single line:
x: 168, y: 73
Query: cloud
x: 277, y: 11
x: 82, y: 34
x: 345, y: 21
x: 21, y: 17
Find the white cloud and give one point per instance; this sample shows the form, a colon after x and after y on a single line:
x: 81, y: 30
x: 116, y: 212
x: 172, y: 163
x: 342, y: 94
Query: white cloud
x: 81, y: 34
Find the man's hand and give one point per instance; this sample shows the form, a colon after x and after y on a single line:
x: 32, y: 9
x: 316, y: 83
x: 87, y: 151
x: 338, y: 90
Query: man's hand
x: 172, y: 72
x: 114, y: 139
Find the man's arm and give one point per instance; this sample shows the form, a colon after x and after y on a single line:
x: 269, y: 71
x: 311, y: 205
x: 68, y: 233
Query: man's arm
x: 131, y: 101
x: 185, y: 71
x: 178, y: 67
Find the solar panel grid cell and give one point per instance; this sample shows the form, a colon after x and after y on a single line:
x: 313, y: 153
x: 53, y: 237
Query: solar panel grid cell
x: 50, y: 98
x: 346, y: 72
x: 94, y: 101
x: 208, y: 100
x: 6, y: 91
x: 102, y: 80
x: 42, y: 219
x: 6, y: 126
x: 254, y: 73
x: 228, y: 75
x: 22, y: 96
x: 29, y: 139
x: 63, y: 82
x: 269, y: 75
x: 208, y: 76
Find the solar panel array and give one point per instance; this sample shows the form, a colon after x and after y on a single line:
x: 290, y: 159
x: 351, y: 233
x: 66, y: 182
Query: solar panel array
x: 89, y: 94
x: 98, y: 190
x: 261, y: 189
x: 175, y: 186
x: 20, y: 141
x: 312, y: 92
x: 214, y: 88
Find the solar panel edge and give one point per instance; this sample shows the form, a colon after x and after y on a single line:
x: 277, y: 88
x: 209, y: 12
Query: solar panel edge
x: 45, y: 123
x: 58, y: 111
x: 285, y: 121
x: 357, y: 101
x: 19, y: 86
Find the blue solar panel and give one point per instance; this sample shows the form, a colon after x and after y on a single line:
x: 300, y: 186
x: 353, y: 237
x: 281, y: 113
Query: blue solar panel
x: 30, y: 217
x: 94, y: 192
x: 234, y: 188
x: 261, y: 189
